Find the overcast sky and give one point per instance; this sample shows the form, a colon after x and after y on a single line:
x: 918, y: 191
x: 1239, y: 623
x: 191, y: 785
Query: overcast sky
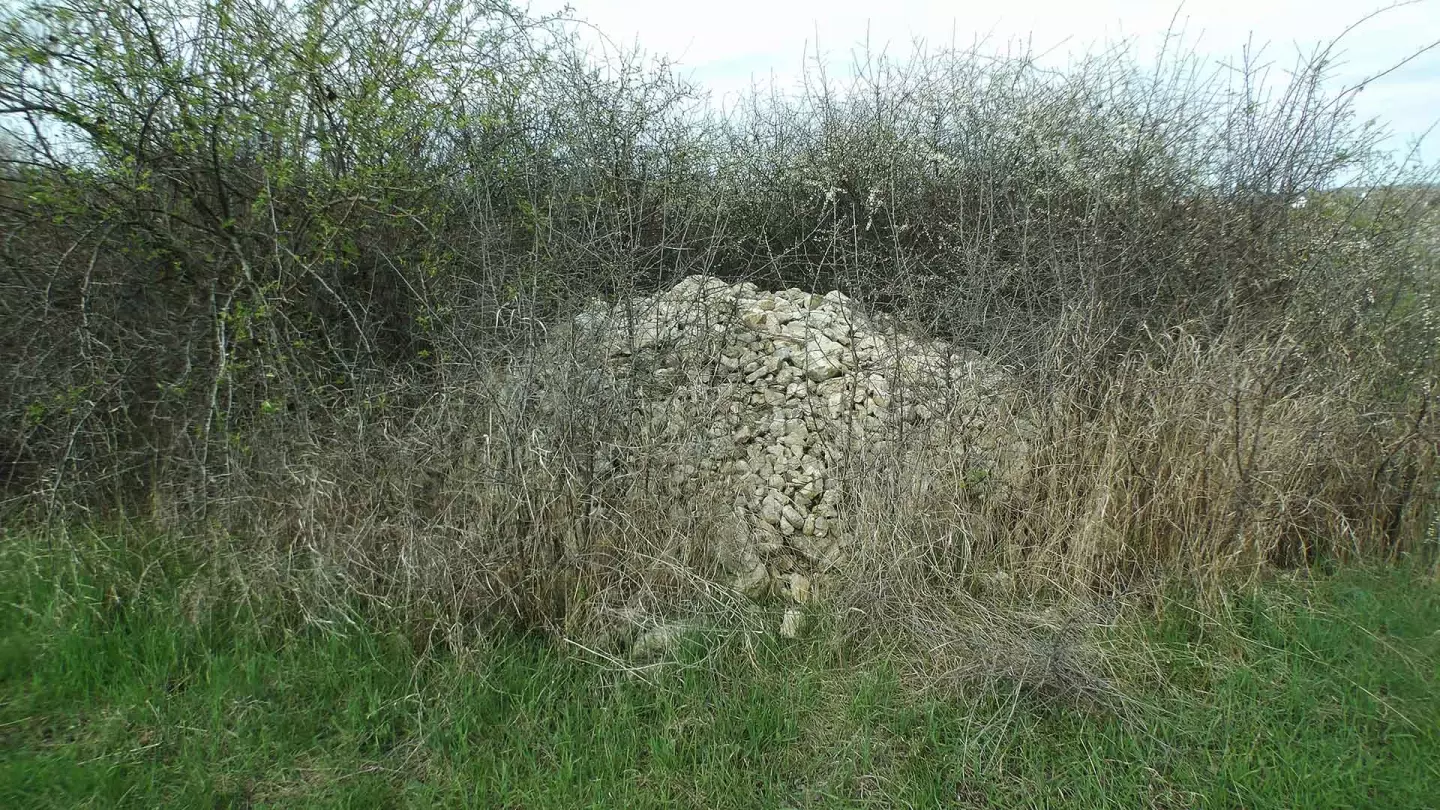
x: 727, y: 44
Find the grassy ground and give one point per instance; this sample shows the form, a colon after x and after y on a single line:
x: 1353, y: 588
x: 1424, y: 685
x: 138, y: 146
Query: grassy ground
x: 1316, y: 694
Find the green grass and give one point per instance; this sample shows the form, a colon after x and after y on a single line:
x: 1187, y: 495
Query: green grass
x: 1321, y: 694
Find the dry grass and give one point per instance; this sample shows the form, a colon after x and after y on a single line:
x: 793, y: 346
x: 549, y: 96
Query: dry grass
x: 352, y: 366
x: 1195, y: 462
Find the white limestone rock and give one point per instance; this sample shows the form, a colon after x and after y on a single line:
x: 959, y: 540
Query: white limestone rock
x: 758, y: 400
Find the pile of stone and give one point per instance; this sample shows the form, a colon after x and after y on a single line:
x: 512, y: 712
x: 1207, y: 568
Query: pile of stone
x: 765, y: 401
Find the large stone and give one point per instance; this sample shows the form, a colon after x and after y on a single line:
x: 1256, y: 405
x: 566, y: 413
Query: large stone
x: 820, y: 366
x: 792, y: 625
x: 754, y: 583
x: 660, y: 641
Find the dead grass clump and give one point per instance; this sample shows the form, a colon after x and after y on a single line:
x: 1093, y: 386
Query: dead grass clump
x: 1197, y: 459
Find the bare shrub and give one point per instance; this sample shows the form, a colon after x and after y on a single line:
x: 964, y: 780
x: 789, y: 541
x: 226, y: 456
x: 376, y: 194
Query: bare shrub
x: 267, y: 275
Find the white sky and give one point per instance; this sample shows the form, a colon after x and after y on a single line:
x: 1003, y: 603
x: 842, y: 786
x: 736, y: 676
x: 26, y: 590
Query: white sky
x: 727, y: 44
